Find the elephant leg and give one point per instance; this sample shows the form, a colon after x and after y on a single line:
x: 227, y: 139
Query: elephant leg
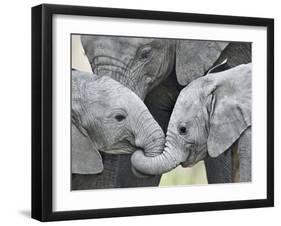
x: 219, y: 170
x: 117, y: 173
x: 106, y: 179
x: 235, y: 163
x: 126, y: 178
x: 245, y: 158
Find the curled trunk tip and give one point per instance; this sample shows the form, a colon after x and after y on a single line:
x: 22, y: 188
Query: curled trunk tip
x: 156, y: 165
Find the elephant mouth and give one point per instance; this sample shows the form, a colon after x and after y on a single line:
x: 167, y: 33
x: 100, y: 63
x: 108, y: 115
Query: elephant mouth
x: 188, y: 163
x: 193, y: 158
x: 121, y: 147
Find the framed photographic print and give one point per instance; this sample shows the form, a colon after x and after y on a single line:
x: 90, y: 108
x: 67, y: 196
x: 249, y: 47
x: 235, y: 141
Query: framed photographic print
x: 147, y: 112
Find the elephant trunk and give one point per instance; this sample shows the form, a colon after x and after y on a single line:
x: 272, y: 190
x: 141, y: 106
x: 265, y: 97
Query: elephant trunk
x: 149, y: 135
x: 119, y: 71
x: 169, y: 159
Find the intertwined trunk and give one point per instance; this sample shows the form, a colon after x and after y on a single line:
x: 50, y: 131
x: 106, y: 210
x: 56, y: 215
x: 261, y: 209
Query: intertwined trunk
x: 161, y: 163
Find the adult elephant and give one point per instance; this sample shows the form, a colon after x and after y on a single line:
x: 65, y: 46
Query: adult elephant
x: 159, y: 67
x: 139, y: 64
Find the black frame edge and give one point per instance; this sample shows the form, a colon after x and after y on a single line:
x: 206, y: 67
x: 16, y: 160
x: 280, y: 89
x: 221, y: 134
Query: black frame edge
x: 270, y: 112
x: 156, y: 210
x: 155, y: 15
x: 42, y: 112
x: 36, y: 156
x: 41, y: 204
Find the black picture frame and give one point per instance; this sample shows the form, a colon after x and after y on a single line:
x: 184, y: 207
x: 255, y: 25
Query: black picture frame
x: 42, y: 111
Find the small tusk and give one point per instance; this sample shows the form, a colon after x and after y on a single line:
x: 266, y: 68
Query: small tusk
x: 213, y: 68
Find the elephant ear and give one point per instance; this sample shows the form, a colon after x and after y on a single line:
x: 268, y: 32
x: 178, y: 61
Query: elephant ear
x: 84, y: 156
x: 194, y: 58
x: 229, y: 115
x: 85, y: 159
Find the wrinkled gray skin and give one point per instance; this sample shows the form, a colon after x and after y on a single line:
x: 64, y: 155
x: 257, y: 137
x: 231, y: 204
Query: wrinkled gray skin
x: 210, y: 115
x: 222, y: 168
x: 108, y: 117
x: 203, y: 56
x: 138, y: 63
x: 161, y: 99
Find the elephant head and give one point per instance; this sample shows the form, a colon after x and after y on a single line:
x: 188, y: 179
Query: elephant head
x: 108, y: 117
x: 138, y: 63
x: 209, y: 116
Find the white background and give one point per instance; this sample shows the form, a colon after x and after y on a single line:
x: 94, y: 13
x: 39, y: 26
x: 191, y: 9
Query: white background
x: 15, y: 112
x: 64, y: 199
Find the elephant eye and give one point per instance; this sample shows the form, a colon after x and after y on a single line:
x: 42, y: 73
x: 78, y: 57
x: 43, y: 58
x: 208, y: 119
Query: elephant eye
x: 182, y: 130
x: 119, y: 117
x: 145, y: 52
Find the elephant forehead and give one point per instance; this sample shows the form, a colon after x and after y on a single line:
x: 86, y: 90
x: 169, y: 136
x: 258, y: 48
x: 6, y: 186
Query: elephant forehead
x: 102, y: 84
x: 190, y: 96
x: 122, y: 48
x: 109, y: 95
x: 104, y: 44
x: 187, y: 107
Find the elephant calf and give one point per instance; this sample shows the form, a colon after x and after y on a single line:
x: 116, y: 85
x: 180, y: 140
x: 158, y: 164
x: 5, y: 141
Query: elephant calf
x: 211, y: 114
x: 108, y: 117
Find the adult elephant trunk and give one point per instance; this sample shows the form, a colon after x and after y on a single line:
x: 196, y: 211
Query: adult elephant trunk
x: 117, y: 70
x: 169, y: 159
